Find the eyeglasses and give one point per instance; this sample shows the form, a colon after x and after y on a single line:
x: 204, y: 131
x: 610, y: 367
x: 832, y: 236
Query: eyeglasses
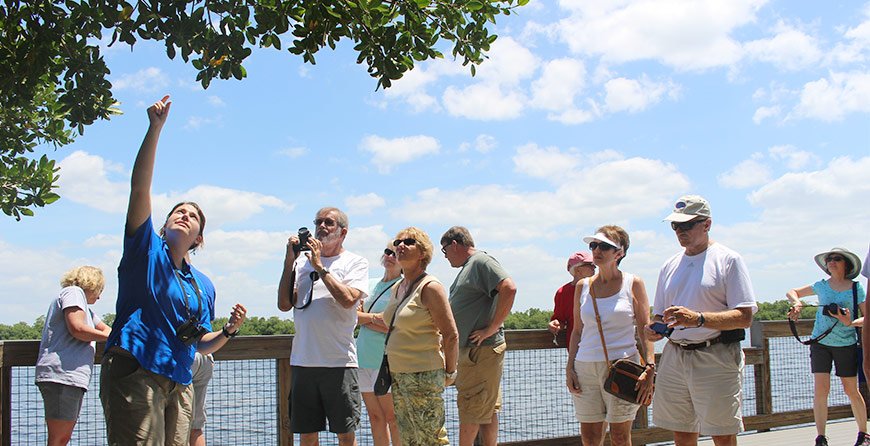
x: 830, y: 259
x: 389, y: 252
x: 327, y: 221
x: 407, y: 241
x: 686, y: 225
x: 444, y: 248
x: 601, y: 245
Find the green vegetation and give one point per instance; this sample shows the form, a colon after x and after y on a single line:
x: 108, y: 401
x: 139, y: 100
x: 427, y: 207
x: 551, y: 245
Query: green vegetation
x: 518, y: 320
x: 54, y: 80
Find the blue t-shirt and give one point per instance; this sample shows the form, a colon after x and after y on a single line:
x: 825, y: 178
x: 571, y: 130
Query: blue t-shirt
x: 151, y: 305
x: 370, y: 343
x: 841, y: 336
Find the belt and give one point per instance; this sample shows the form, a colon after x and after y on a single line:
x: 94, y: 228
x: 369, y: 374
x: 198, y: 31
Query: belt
x: 698, y: 345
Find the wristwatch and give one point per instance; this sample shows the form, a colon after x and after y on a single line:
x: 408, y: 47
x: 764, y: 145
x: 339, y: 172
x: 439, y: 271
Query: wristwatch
x: 451, y: 375
x: 226, y: 332
x: 323, y: 272
x: 701, y: 319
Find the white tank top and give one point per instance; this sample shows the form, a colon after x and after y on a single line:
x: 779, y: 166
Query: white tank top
x: 617, y: 323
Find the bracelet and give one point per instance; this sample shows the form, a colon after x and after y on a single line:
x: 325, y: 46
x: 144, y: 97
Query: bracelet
x: 227, y: 334
x: 701, y: 319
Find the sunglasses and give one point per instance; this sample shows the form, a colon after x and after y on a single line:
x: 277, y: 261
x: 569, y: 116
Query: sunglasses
x: 591, y: 265
x: 327, y: 221
x: 601, y: 245
x: 389, y: 252
x: 686, y: 225
x: 406, y: 241
x: 829, y: 259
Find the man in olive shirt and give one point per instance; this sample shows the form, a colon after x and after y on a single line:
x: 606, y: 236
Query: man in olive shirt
x: 481, y: 298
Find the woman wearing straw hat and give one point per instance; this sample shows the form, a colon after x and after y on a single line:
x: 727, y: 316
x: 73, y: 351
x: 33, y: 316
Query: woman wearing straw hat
x: 838, y: 346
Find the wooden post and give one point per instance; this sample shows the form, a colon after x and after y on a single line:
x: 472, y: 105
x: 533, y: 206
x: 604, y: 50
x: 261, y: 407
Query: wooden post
x: 763, y: 393
x: 5, y: 400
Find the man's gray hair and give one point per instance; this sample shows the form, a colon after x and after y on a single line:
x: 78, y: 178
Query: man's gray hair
x: 341, y: 216
x: 460, y: 234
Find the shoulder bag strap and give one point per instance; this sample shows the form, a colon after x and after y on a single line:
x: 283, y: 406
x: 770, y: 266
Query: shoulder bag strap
x: 408, y: 293
x: 598, y: 321
x: 379, y: 296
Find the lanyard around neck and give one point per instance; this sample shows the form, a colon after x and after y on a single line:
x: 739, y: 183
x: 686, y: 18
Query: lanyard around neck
x: 184, y: 294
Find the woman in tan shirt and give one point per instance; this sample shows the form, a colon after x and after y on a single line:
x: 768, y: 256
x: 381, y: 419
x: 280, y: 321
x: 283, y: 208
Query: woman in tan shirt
x: 423, y: 346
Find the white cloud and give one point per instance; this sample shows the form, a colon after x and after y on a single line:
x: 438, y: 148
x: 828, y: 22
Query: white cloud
x: 483, y: 144
x: 389, y: 153
x: 216, y: 101
x: 197, y: 122
x: 483, y: 101
x: 148, y: 80
x: 509, y: 62
x: 762, y: 113
x: 790, y: 48
x: 505, y: 213
x: 548, y: 162
x: 84, y: 179
x: 757, y: 170
x: 856, y: 45
x: 294, y: 152
x: 103, y: 241
x: 833, y: 98
x: 684, y: 34
x: 794, y: 159
x: 747, y: 173
x: 560, y: 82
x: 632, y: 95
x: 364, y: 204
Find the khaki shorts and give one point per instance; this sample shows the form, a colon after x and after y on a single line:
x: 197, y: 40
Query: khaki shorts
x: 478, y: 384
x: 203, y: 369
x: 594, y: 405
x: 700, y: 390
x: 141, y: 407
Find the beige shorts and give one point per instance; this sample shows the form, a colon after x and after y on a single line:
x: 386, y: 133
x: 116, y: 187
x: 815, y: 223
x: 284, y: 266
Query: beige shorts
x: 700, y: 390
x: 593, y: 404
x: 478, y: 384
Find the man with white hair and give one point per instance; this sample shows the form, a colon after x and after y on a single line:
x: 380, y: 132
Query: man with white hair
x: 704, y: 292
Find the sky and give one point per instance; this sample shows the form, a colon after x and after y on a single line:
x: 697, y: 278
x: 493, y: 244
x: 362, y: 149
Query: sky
x: 586, y: 113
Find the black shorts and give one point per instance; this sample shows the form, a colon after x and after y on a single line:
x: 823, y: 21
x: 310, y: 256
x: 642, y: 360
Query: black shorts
x: 845, y: 358
x: 320, y: 394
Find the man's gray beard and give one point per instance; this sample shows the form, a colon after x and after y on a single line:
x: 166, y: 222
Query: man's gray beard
x: 331, y: 237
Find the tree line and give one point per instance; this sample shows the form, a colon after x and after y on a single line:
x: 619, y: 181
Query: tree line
x: 253, y: 326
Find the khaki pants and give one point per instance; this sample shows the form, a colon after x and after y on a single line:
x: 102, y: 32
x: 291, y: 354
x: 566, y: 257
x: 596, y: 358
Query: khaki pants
x: 141, y: 407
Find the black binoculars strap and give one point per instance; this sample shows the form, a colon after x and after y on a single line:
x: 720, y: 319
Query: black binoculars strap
x: 184, y: 293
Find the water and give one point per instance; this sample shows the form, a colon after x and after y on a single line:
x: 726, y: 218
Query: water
x: 242, y: 403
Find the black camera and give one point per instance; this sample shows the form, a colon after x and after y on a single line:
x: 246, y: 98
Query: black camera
x: 833, y: 309
x: 661, y: 328
x: 303, y: 241
x: 190, y: 331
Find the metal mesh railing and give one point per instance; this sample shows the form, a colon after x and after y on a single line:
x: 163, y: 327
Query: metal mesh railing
x: 243, y: 399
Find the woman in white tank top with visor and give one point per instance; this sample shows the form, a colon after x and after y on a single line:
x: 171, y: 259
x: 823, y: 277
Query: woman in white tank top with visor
x: 624, y: 310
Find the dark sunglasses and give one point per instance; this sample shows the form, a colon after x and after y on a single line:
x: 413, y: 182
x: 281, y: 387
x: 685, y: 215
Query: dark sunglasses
x: 327, y: 221
x: 834, y: 259
x: 389, y: 252
x: 686, y: 225
x: 406, y: 241
x: 601, y: 245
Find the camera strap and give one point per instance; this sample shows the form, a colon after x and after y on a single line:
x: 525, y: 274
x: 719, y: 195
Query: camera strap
x: 811, y: 341
x: 193, y: 283
x: 855, y: 309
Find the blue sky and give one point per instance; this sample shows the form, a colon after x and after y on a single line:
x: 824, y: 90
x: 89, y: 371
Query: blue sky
x: 587, y: 113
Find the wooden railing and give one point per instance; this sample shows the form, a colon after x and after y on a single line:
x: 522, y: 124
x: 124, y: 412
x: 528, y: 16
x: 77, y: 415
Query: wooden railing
x: 24, y: 353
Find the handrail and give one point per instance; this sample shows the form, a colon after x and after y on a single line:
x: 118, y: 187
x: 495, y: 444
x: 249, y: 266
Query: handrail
x: 277, y: 347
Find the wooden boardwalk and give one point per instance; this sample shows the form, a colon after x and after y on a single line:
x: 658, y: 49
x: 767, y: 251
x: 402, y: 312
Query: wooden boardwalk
x: 839, y: 433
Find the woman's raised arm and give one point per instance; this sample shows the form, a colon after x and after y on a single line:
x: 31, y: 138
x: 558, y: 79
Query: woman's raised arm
x: 139, y: 207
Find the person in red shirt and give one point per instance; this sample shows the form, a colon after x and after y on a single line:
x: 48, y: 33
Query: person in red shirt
x: 579, y: 266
